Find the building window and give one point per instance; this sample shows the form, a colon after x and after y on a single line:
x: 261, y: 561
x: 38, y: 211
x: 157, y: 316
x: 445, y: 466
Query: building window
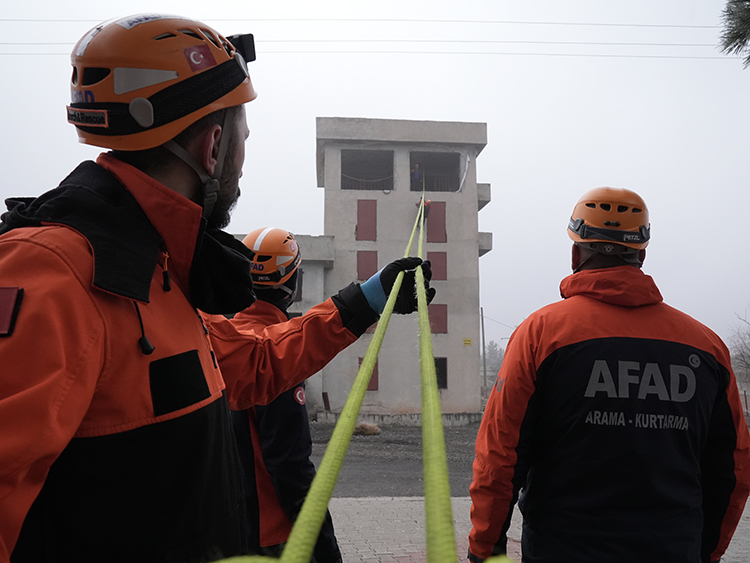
x: 435, y: 223
x: 438, y: 318
x: 438, y: 265
x: 367, y: 263
x: 366, y: 170
x: 441, y: 371
x: 373, y: 384
x: 435, y: 171
x: 367, y: 220
x: 300, y: 274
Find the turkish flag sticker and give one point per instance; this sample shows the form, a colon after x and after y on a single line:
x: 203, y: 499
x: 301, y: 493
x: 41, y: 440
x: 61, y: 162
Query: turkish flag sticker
x: 299, y: 395
x: 199, y: 57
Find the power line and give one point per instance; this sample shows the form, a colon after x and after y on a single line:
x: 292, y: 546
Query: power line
x: 391, y: 20
x: 579, y: 55
x: 498, y: 322
x: 447, y: 41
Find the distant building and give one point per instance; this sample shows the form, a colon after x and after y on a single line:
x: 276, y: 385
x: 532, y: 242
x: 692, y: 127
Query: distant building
x: 366, y: 167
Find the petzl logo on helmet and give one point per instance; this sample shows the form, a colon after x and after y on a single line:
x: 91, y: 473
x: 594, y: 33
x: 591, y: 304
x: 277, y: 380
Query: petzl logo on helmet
x: 199, y: 57
x: 88, y: 117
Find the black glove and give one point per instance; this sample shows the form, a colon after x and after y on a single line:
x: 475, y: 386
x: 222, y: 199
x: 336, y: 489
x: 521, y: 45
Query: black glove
x: 379, y: 286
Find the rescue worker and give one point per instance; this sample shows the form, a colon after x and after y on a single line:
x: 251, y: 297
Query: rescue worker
x: 118, y: 366
x: 615, y: 416
x: 274, y: 441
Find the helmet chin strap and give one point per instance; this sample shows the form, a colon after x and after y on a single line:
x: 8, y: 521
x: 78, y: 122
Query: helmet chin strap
x: 210, y: 184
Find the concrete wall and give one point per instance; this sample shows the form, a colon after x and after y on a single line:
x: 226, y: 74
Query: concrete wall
x: 399, y: 373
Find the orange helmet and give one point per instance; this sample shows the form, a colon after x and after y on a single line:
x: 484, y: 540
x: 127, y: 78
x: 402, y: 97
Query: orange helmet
x: 139, y: 81
x: 276, y: 255
x: 611, y: 215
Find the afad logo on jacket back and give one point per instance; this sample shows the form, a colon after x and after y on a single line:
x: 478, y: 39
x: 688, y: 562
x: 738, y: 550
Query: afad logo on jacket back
x: 634, y: 381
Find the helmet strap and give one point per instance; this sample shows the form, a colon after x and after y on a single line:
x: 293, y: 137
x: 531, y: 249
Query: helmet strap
x: 210, y: 184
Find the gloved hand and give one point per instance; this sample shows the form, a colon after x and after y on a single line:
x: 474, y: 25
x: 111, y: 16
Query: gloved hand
x: 377, y: 288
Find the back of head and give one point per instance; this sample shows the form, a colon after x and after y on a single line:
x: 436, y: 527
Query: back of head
x: 139, y: 81
x: 611, y: 222
x: 274, y: 264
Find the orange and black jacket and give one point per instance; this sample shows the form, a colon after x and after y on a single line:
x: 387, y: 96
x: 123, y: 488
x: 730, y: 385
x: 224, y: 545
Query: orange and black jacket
x: 118, y: 371
x: 275, y: 446
x: 618, y: 421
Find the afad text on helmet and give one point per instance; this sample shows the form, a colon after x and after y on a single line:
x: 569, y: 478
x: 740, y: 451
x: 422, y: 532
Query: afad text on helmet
x: 82, y: 97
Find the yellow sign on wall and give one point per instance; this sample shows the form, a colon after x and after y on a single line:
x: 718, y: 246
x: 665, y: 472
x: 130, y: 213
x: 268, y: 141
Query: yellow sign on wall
x: 467, y: 341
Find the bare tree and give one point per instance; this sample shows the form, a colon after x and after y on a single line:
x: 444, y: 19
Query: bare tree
x: 739, y: 346
x: 494, y: 358
x: 735, y: 37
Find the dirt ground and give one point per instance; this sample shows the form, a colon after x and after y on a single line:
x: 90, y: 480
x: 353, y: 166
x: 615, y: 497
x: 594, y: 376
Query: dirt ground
x: 390, y: 464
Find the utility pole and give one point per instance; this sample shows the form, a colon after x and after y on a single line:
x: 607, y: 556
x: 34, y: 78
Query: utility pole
x: 484, y: 351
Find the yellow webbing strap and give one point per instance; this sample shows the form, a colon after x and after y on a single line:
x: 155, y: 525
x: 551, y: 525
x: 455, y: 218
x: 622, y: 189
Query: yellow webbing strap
x: 440, y: 534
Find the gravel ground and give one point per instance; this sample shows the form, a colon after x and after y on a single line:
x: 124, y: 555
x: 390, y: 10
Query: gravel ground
x: 390, y: 464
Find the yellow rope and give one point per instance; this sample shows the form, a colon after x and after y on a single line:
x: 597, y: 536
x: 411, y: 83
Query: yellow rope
x: 440, y: 534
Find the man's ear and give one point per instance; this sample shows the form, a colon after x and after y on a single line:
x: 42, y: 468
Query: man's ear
x: 208, y: 148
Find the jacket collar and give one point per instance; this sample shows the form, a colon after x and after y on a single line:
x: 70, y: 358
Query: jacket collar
x: 176, y: 219
x: 624, y: 285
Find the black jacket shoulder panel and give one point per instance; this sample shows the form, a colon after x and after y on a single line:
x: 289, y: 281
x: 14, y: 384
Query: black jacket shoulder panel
x: 95, y: 204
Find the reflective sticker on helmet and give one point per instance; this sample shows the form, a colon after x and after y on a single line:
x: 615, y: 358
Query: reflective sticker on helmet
x: 88, y: 117
x: 130, y: 79
x: 86, y: 39
x: 199, y: 57
x: 131, y: 21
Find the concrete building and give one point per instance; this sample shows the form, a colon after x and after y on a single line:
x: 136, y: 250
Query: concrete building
x: 366, y: 167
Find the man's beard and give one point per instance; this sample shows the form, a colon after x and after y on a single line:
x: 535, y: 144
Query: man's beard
x: 229, y: 192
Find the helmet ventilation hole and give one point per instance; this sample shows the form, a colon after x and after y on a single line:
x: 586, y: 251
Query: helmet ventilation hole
x: 622, y: 208
x: 163, y: 36
x: 210, y: 37
x: 92, y: 75
x: 605, y: 206
x: 191, y: 33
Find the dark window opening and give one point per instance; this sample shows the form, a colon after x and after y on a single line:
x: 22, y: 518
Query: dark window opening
x: 373, y: 383
x: 436, y: 171
x: 438, y: 265
x: 367, y: 220
x: 366, y: 170
x: 438, y: 313
x: 300, y: 278
x: 367, y: 263
x: 441, y: 372
x: 436, y: 230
